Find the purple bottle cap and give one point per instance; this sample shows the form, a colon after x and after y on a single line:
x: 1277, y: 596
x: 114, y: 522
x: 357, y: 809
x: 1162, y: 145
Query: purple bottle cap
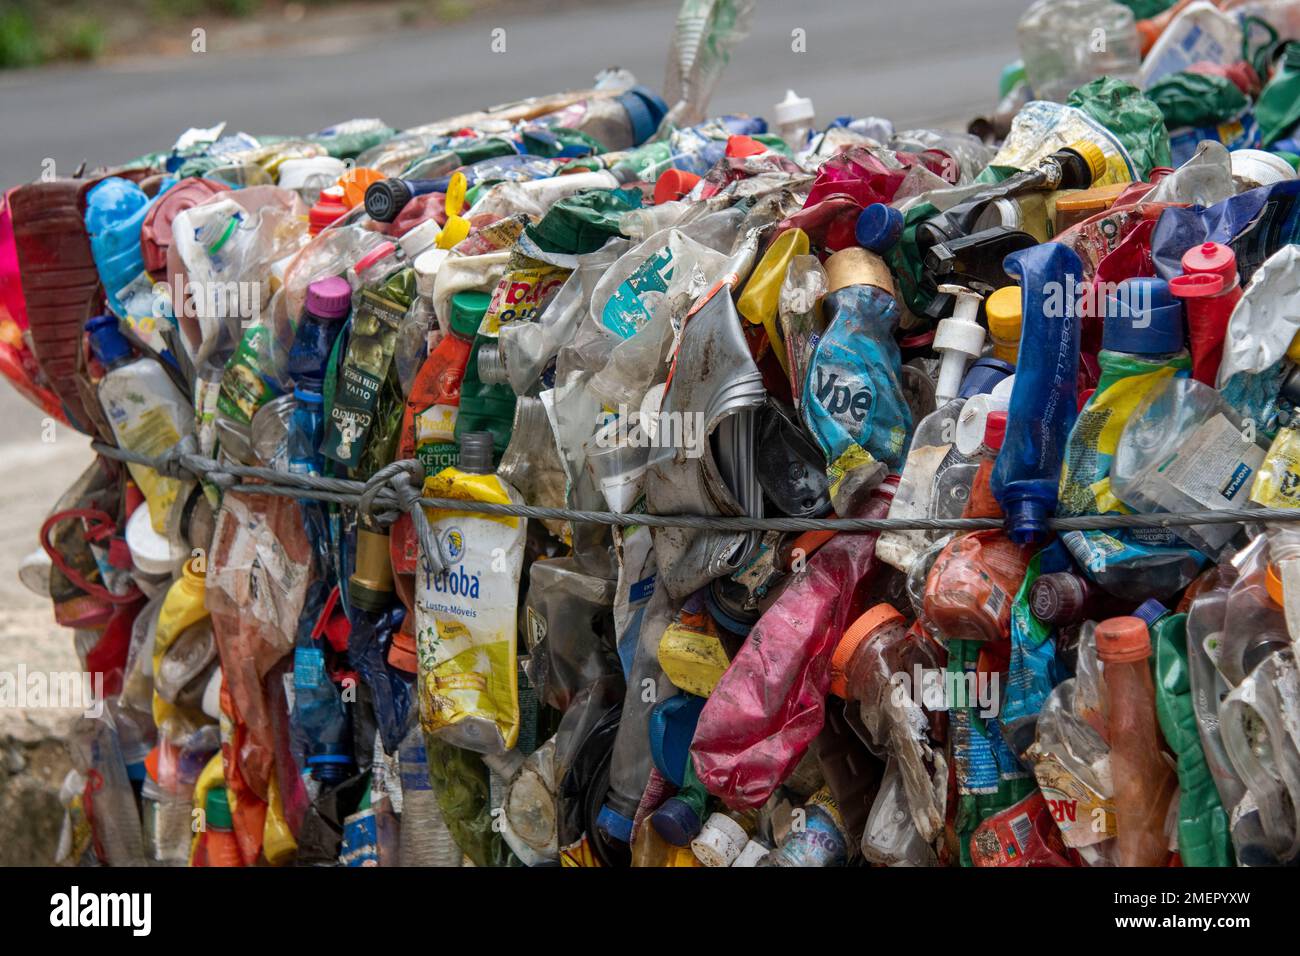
x: 329, y: 298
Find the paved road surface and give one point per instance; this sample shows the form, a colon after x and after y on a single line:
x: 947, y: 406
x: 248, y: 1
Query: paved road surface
x: 918, y: 62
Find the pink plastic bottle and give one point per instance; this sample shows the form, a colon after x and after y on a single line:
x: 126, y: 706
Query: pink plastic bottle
x: 770, y: 703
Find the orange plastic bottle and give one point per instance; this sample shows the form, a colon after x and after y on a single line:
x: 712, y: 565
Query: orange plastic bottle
x: 220, y: 847
x: 1144, y: 781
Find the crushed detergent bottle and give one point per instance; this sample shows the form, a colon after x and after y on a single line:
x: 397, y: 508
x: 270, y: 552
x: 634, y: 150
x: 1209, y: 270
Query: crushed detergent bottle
x: 1277, y: 483
x: 853, y: 395
x: 1144, y: 781
x: 1071, y: 758
x: 152, y: 426
x: 1142, y: 348
x: 466, y: 613
x: 769, y: 704
x: 1211, y: 290
x: 1186, y: 449
x: 821, y: 841
x: 1044, y: 400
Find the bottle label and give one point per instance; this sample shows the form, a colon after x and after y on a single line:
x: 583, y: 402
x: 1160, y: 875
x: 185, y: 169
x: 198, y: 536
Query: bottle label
x: 370, y: 351
x: 466, y: 618
x: 435, y: 438
x: 1278, y: 483
x: 1083, y: 815
x: 634, y: 301
x: 1216, y: 468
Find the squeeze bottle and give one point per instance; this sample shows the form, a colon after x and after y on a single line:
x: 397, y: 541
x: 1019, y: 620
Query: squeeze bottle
x: 1044, y: 401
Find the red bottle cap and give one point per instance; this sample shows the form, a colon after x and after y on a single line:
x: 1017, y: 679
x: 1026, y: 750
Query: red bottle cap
x: 875, y: 620
x: 995, y: 429
x: 739, y: 147
x: 1196, y: 285
x: 1123, y: 640
x: 374, y: 255
x: 1158, y: 173
x: 1086, y: 394
x: 1214, y: 258
x: 674, y: 184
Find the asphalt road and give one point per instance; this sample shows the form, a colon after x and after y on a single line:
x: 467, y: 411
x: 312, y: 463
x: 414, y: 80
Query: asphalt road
x: 921, y: 62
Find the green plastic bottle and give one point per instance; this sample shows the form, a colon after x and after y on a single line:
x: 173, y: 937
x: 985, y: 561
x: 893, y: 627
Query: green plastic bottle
x: 1278, y: 109
x: 1203, y: 833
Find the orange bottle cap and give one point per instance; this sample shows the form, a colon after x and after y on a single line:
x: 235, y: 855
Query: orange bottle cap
x: 1123, y: 640
x: 868, y: 625
x: 1273, y: 584
x: 401, y: 651
x: 674, y: 184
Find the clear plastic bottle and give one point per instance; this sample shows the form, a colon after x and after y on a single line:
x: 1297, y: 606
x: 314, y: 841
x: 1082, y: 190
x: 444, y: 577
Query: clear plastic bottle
x: 1186, y: 449
x: 1255, y: 624
x: 1067, y: 43
x: 425, y: 839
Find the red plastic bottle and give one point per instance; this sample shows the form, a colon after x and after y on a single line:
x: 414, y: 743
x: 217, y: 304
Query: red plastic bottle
x: 1212, y: 290
x: 770, y: 703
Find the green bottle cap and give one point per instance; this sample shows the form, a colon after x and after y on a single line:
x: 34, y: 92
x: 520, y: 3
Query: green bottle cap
x: 217, y: 809
x: 467, y: 311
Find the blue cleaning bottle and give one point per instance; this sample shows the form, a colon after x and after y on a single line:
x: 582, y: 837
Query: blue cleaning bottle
x: 1044, y: 400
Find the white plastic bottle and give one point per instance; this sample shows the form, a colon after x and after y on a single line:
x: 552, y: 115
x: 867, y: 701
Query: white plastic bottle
x: 147, y: 412
x: 795, y: 119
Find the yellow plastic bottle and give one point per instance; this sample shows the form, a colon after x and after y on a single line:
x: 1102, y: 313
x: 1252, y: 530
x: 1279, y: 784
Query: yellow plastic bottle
x: 760, y: 301
x: 466, y: 616
x: 1277, y: 483
x: 1003, y: 311
x: 182, y: 608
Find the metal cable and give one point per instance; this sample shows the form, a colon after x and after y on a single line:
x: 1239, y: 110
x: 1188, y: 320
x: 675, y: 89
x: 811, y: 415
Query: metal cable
x: 392, y: 491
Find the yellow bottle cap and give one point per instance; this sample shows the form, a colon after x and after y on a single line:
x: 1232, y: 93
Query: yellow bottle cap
x: 1092, y: 155
x: 1003, y: 311
x: 692, y: 660
x: 1293, y: 352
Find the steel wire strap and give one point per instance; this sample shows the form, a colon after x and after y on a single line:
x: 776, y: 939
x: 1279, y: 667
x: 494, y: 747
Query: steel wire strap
x: 394, y: 490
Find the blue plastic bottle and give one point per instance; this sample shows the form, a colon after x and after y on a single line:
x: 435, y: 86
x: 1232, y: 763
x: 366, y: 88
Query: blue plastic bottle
x: 328, y: 302
x: 1044, y: 400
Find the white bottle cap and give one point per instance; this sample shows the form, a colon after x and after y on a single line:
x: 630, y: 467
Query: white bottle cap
x: 419, y: 238
x: 969, y: 433
x: 152, y: 553
x: 751, y: 854
x: 426, y: 266
x: 212, y: 695
x: 720, y: 842
x: 793, y: 109
x: 314, y: 171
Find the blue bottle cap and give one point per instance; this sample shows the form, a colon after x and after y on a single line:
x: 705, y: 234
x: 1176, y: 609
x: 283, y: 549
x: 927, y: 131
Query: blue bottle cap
x: 879, y: 227
x: 984, y: 376
x: 613, y: 823
x: 1150, y: 611
x: 1027, y: 517
x: 107, y: 341
x: 676, y: 822
x: 305, y: 393
x: 1143, y: 318
x: 645, y: 110
x: 672, y: 727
